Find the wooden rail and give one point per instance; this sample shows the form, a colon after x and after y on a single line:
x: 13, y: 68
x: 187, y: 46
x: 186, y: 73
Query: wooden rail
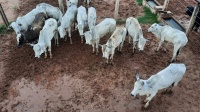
x: 5, y: 20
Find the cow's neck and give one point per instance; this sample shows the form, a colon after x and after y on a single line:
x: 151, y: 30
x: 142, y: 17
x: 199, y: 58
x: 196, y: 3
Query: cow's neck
x: 158, y: 32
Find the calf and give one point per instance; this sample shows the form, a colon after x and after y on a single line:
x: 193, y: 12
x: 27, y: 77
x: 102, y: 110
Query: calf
x: 82, y: 21
x: 93, y: 36
x: 66, y: 22
x: 46, y: 35
x: 170, y: 76
x: 91, y: 17
x: 116, y: 39
x: 134, y: 31
x: 32, y: 34
x: 189, y: 12
x: 169, y: 34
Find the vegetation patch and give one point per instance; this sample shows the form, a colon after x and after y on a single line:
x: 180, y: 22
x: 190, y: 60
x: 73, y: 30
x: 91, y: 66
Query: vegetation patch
x: 148, y: 18
x: 139, y: 2
x: 3, y: 28
x: 120, y: 21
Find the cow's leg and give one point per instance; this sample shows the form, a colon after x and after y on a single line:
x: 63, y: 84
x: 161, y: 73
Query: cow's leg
x: 121, y: 45
x: 93, y: 48
x: 111, y: 58
x: 81, y: 38
x: 176, y: 48
x: 65, y: 37
x: 160, y: 43
x: 166, y: 45
x: 134, y: 43
x: 69, y: 31
x: 118, y: 48
x: 56, y: 38
x: 148, y: 99
x: 49, y: 49
x: 45, y: 53
x: 97, y: 47
x: 129, y: 39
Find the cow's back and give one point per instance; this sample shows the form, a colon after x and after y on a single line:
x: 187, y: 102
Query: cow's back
x: 133, y: 28
x: 108, y: 25
x: 173, y: 35
x: 47, y: 33
x: 117, y: 37
x: 171, y: 74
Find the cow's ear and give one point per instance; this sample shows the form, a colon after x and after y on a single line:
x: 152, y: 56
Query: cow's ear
x: 137, y: 76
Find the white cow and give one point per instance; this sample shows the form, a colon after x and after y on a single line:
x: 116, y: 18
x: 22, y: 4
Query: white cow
x: 27, y: 19
x: 116, y: 39
x: 169, y: 76
x: 135, y: 32
x: 70, y: 2
x: 46, y: 35
x: 87, y: 1
x: 169, y: 34
x: 82, y: 21
x: 92, y: 37
x: 51, y: 11
x: 92, y: 17
x: 67, y: 20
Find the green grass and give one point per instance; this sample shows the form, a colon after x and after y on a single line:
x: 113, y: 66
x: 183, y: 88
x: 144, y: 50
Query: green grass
x: 139, y: 2
x: 120, y: 21
x: 148, y: 18
x: 2, y: 28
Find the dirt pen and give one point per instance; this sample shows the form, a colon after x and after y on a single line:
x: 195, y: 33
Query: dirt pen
x: 75, y: 80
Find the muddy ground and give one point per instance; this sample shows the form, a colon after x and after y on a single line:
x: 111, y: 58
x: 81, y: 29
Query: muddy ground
x: 75, y: 80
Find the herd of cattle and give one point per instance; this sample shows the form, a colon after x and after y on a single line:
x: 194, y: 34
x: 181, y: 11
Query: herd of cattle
x: 46, y: 22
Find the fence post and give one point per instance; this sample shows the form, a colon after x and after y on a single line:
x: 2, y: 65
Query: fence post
x: 193, y: 18
x: 116, y: 9
x: 61, y: 7
x: 165, y: 4
x: 5, y: 20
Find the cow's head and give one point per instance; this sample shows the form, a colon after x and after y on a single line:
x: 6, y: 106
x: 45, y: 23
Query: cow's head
x: 153, y: 28
x: 38, y: 49
x: 88, y: 37
x: 137, y: 86
x: 62, y: 31
x: 142, y: 43
x: 106, y: 50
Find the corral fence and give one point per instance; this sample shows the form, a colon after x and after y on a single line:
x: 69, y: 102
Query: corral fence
x: 3, y: 27
x: 183, y: 6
